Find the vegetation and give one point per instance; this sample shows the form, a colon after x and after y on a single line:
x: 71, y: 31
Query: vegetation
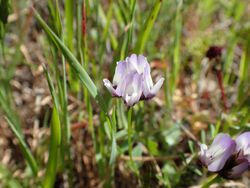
x: 59, y: 125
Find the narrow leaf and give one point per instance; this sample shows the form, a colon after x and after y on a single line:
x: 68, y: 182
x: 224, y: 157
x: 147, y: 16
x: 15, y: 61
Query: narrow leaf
x: 25, y: 150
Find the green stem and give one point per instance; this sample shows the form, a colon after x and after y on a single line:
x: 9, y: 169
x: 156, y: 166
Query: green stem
x: 130, y: 132
x: 211, y: 180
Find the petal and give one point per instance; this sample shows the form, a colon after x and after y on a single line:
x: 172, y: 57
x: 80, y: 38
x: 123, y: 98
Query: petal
x: 220, y: 151
x: 202, y: 154
x: 120, y: 71
x: 142, y: 63
x: 218, y: 163
x: 137, y: 63
x: 243, y: 144
x: 109, y: 86
x: 149, y: 93
x: 133, y: 89
x: 236, y: 171
x: 122, y: 85
x: 157, y: 86
x: 222, y: 141
x: 132, y: 63
x: 147, y: 82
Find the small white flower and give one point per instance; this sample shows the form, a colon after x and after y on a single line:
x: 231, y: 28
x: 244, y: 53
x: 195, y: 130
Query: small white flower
x: 132, y: 80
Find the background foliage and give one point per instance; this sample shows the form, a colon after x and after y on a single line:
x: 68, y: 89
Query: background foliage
x: 61, y: 128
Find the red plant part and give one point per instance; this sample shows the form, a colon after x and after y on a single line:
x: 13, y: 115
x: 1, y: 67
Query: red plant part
x: 84, y: 21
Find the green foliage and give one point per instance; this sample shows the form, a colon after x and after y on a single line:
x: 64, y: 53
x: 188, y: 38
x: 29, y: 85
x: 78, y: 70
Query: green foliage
x: 4, y: 12
x: 26, y: 152
x: 156, y: 144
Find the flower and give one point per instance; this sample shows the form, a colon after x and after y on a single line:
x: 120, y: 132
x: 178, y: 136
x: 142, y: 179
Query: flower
x: 218, y: 153
x: 132, y: 80
x: 234, y: 167
x: 214, y: 52
x: 227, y: 157
x: 240, y: 161
x: 243, y: 145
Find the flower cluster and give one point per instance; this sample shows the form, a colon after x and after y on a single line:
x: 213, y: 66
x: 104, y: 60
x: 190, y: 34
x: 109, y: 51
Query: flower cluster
x: 230, y: 158
x: 132, y: 80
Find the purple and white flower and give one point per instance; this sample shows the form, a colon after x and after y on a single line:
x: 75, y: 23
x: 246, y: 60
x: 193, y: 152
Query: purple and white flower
x: 132, y: 80
x: 240, y: 161
x: 218, y: 153
x: 243, y: 145
x: 227, y: 157
x: 235, y: 167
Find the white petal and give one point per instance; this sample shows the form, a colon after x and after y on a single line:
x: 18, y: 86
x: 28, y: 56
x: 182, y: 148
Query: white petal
x: 121, y: 87
x: 142, y: 63
x: 133, y: 89
x: 109, y: 86
x: 131, y: 100
x: 120, y: 72
x: 147, y: 82
x: 243, y: 144
x: 155, y: 89
x: 203, y: 148
x: 202, y: 154
x: 137, y: 63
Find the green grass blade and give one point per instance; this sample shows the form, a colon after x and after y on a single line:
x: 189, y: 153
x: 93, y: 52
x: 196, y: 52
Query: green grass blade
x: 69, y: 38
x: 130, y: 32
x: 51, y: 88
x: 55, y: 140
x: 55, y: 137
x: 79, y: 70
x: 176, y: 54
x: 69, y: 21
x: 104, y: 21
x: 54, y: 11
x: 145, y: 31
x: 244, y: 73
x: 25, y: 150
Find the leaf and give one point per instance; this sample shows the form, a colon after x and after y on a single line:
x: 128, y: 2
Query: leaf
x: 55, y: 140
x: 147, y: 27
x: 73, y: 62
x: 25, y: 150
x: 55, y: 137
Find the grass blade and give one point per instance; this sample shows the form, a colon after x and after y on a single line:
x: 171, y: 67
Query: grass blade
x: 79, y: 70
x: 55, y: 137
x: 25, y: 150
x: 55, y: 140
x: 143, y: 36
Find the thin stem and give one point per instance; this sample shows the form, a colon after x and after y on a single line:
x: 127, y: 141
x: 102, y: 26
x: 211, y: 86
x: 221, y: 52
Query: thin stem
x: 130, y: 132
x: 220, y: 82
x: 211, y: 180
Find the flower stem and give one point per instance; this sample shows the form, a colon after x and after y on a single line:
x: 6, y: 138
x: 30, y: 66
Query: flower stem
x: 130, y: 132
x: 211, y: 180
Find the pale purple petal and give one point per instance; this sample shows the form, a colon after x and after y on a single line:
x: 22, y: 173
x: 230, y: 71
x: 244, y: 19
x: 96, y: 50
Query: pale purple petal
x: 109, y: 86
x: 218, y: 153
x: 238, y: 170
x: 132, y: 80
x: 133, y: 89
x: 142, y: 63
x: 221, y: 149
x: 157, y: 86
x: 121, y: 87
x: 243, y: 145
x: 136, y: 63
x: 203, y: 156
x: 147, y: 82
x: 120, y: 72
